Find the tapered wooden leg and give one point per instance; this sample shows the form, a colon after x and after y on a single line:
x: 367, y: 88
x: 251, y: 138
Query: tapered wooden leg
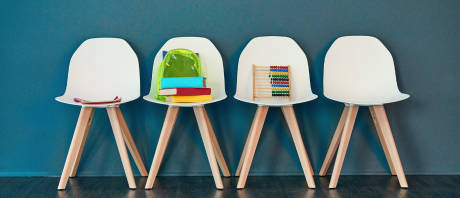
x: 130, y: 143
x: 382, y: 119
x: 284, y: 113
x: 168, y: 126
x: 78, y: 135
x: 121, y: 146
x: 240, y: 164
x: 334, y: 143
x: 346, y: 134
x: 252, y: 144
x: 217, y: 151
x: 82, y: 144
x: 382, y: 140
x: 204, y: 130
x: 295, y: 131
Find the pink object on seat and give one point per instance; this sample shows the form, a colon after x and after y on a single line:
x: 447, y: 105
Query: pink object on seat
x: 117, y: 99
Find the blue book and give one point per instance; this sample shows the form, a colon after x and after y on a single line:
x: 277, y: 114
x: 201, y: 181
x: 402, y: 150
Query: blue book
x: 183, y: 82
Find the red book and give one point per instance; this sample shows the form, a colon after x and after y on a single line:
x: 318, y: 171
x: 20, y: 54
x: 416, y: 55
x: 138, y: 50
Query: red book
x: 185, y: 91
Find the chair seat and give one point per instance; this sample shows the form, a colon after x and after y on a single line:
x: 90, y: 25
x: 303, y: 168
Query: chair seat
x: 191, y: 104
x: 373, y: 101
x: 277, y: 103
x: 70, y: 100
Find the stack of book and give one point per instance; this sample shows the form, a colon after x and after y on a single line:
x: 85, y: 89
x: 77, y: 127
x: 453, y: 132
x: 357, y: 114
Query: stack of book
x: 185, y: 89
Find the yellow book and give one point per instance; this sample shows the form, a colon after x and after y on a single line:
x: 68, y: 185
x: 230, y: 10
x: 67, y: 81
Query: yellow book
x: 195, y: 98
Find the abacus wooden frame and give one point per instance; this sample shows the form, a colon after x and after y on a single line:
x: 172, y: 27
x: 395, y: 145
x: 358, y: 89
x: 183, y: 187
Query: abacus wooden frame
x: 264, y: 70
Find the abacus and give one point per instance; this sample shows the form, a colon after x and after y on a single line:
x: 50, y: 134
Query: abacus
x: 271, y: 82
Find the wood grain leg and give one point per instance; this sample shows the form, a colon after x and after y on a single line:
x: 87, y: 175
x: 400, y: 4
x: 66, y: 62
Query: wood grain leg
x: 121, y: 146
x: 381, y: 116
x: 382, y: 140
x: 82, y: 144
x: 77, y: 138
x: 204, y: 130
x: 130, y: 143
x: 253, y: 140
x: 217, y: 151
x: 166, y: 131
x: 291, y: 119
x: 334, y: 143
x: 243, y: 154
x: 346, y: 134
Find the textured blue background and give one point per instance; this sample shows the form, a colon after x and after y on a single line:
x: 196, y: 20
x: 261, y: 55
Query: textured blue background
x: 37, y: 39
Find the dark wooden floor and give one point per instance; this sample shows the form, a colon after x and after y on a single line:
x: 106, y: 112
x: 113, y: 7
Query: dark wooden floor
x: 268, y: 186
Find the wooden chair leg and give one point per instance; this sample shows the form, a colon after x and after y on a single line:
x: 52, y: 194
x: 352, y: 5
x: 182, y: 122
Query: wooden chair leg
x: 284, y: 113
x: 130, y: 143
x: 78, y: 135
x: 382, y: 140
x: 82, y: 145
x: 381, y: 116
x: 334, y: 143
x: 295, y: 131
x: 243, y: 154
x: 217, y: 151
x: 204, y: 130
x: 346, y: 134
x: 121, y: 146
x: 252, y: 144
x: 166, y: 131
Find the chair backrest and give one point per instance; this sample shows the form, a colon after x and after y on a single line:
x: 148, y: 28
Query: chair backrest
x: 274, y: 51
x: 359, y: 69
x: 212, y: 66
x: 102, y: 68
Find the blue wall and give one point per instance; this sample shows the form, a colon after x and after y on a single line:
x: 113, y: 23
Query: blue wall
x: 37, y: 39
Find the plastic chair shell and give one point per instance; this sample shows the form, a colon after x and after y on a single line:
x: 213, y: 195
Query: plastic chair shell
x: 99, y: 70
x: 360, y: 70
x: 274, y: 51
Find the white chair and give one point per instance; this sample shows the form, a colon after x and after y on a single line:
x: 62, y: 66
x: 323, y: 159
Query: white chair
x: 271, y: 51
x: 359, y: 71
x: 213, y: 69
x: 100, y: 70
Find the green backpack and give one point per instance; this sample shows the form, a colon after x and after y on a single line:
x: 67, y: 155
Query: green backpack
x: 178, y: 63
